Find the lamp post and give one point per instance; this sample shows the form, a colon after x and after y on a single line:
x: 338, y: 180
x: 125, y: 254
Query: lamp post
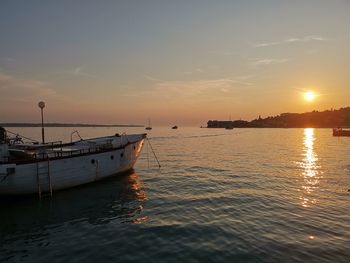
x: 41, y: 105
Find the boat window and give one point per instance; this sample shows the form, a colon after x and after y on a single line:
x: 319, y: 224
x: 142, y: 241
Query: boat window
x: 121, y: 155
x: 92, y: 161
x: 112, y: 157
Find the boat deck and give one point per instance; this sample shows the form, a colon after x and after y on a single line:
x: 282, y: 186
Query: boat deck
x: 24, y: 153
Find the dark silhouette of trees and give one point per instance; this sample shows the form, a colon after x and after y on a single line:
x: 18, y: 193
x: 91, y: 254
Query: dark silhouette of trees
x: 315, y: 119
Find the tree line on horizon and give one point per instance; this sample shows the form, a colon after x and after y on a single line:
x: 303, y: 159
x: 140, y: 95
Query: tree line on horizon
x: 315, y: 119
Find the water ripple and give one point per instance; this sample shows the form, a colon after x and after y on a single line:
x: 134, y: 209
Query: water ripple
x: 257, y: 195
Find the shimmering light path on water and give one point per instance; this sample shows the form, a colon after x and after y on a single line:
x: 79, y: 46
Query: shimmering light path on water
x: 257, y: 195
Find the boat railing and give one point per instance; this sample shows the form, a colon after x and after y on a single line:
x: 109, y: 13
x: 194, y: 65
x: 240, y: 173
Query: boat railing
x: 37, y: 146
x: 54, y: 144
x: 74, y: 152
x: 77, y: 133
x: 54, y: 150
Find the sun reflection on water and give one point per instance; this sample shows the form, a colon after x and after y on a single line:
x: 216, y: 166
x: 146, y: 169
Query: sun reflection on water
x: 311, y: 169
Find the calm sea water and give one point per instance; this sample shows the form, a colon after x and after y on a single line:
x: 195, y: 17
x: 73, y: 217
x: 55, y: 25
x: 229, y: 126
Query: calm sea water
x: 252, y: 195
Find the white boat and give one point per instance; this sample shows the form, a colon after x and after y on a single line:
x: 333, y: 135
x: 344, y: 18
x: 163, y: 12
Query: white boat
x: 28, y: 168
x: 340, y: 132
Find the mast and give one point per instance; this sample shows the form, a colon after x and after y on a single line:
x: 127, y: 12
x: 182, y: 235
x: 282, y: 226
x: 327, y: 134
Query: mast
x: 41, y: 105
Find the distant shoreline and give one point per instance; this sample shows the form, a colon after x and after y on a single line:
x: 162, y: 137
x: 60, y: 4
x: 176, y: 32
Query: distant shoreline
x: 315, y: 119
x: 67, y: 125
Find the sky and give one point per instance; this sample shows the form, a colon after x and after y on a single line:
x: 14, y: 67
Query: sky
x: 178, y: 62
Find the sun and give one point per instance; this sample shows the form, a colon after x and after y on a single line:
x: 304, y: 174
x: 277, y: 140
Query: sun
x: 309, y: 96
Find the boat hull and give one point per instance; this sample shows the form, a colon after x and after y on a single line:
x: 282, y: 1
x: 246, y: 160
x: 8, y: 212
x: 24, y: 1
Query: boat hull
x: 22, y: 178
x: 341, y: 132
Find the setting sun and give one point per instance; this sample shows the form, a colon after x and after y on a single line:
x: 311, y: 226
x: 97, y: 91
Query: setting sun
x: 309, y: 96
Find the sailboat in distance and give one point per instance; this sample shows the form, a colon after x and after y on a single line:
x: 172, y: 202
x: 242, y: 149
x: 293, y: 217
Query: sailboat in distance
x: 229, y: 125
x: 149, y: 127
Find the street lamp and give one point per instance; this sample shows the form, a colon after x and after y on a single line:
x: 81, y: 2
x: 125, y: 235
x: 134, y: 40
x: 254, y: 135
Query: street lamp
x: 41, y: 105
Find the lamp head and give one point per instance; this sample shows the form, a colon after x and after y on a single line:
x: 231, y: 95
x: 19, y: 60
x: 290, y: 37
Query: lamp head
x: 41, y: 104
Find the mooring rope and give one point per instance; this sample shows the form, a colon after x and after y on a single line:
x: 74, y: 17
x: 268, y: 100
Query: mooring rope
x: 16, y: 134
x: 147, y: 155
x: 155, y: 156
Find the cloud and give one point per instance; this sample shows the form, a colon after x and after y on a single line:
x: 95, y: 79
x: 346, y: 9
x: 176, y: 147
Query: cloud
x: 268, y: 61
x: 8, y: 59
x: 205, y: 89
x: 198, y: 85
x: 150, y: 78
x: 18, y: 90
x: 80, y: 71
x: 77, y: 71
x: 183, y: 90
x: 196, y: 71
x: 290, y: 40
x: 315, y: 38
x: 265, y: 44
x: 19, y: 98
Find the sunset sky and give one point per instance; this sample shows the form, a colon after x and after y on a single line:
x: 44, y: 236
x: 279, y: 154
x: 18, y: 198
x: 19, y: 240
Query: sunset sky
x: 177, y: 62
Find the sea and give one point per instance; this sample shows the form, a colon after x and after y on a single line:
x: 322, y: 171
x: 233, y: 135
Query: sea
x: 241, y: 195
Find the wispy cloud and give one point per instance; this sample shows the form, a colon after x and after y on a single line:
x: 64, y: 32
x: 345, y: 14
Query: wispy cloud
x: 289, y: 40
x: 14, y: 89
x: 196, y: 71
x: 150, y: 78
x: 257, y: 62
x: 8, y: 59
x: 80, y: 71
x: 204, y: 88
x: 168, y: 90
x: 181, y: 89
x: 265, y: 44
x: 19, y: 97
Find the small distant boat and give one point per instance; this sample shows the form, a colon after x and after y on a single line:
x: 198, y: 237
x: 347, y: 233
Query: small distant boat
x: 229, y: 125
x: 149, y: 127
x: 174, y: 127
x: 340, y: 132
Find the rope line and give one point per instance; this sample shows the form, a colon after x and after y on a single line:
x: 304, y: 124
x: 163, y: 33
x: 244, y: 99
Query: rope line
x: 16, y: 134
x: 155, y: 156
